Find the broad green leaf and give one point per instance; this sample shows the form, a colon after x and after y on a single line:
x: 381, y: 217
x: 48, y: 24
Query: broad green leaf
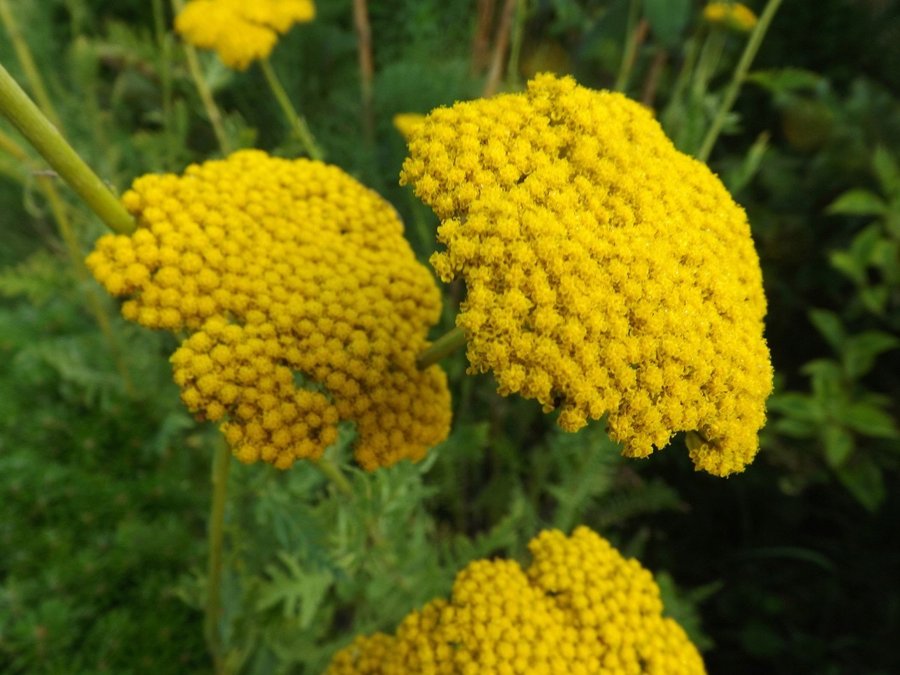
x: 838, y: 445
x: 863, y: 478
x: 869, y: 420
x: 865, y: 243
x: 794, y: 428
x: 667, y: 19
x: 886, y: 170
x: 858, y: 202
x: 828, y: 384
x: 874, y: 298
x: 860, y: 351
x: 785, y: 80
x: 847, y: 264
x: 796, y: 406
x: 829, y: 325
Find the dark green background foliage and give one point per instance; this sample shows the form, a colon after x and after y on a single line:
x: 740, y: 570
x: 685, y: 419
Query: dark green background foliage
x: 790, y: 567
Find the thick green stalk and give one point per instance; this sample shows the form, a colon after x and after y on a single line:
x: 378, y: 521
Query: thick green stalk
x: 219, y: 478
x: 445, y: 345
x: 737, y: 79
x: 295, y: 119
x: 333, y: 473
x: 37, y: 129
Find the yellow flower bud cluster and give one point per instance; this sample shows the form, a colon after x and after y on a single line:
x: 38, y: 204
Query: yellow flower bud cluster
x: 241, y: 31
x: 736, y: 16
x: 303, y: 302
x: 606, y: 272
x: 579, y: 609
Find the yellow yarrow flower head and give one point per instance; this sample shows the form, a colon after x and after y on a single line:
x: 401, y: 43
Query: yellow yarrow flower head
x: 580, y: 608
x: 736, y: 16
x: 240, y: 31
x: 303, y: 303
x: 606, y: 272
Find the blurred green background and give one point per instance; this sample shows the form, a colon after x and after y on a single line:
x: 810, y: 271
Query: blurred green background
x: 790, y: 567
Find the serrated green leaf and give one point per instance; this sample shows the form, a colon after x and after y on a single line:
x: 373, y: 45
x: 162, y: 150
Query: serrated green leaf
x: 829, y: 325
x: 863, y: 478
x: 861, y: 351
x: 869, y: 420
x: 858, y: 202
x: 838, y: 445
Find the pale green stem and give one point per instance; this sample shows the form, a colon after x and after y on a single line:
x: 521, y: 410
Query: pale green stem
x: 445, y: 345
x: 737, y: 79
x: 206, y: 97
x: 37, y: 130
x: 298, y: 124
x: 164, y: 64
x: 219, y: 478
x: 26, y: 61
x: 515, y: 45
x: 333, y: 473
x: 631, y: 42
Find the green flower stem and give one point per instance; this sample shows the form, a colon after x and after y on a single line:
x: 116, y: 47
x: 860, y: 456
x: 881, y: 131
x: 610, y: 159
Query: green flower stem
x: 220, y: 466
x: 298, y: 124
x: 445, y: 345
x: 164, y: 65
x: 37, y: 129
x: 206, y: 97
x: 737, y: 79
x: 631, y: 44
x: 333, y: 473
x: 26, y: 61
x: 515, y: 47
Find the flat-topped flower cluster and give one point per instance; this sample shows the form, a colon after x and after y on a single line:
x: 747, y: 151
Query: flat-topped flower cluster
x: 303, y: 302
x: 607, y: 273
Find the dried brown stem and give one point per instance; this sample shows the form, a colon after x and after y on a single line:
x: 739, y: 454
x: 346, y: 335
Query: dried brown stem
x: 501, y: 42
x: 366, y: 64
x: 481, y: 40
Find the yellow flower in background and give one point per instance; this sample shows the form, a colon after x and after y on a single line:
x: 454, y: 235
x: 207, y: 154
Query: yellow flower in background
x: 408, y: 123
x: 606, y: 272
x: 240, y: 31
x: 735, y: 16
x: 303, y: 303
x: 580, y: 608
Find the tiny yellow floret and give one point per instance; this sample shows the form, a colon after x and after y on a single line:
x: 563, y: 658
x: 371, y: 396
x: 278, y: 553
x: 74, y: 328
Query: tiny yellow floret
x: 303, y: 304
x: 579, y: 607
x: 240, y: 31
x: 607, y: 273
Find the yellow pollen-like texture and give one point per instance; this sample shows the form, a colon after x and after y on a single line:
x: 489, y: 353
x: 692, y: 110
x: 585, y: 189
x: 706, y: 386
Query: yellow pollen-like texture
x: 303, y: 304
x: 579, y: 609
x: 607, y: 273
x: 240, y: 31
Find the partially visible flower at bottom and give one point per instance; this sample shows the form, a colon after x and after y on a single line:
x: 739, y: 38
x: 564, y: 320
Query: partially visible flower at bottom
x: 579, y: 608
x: 303, y: 302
